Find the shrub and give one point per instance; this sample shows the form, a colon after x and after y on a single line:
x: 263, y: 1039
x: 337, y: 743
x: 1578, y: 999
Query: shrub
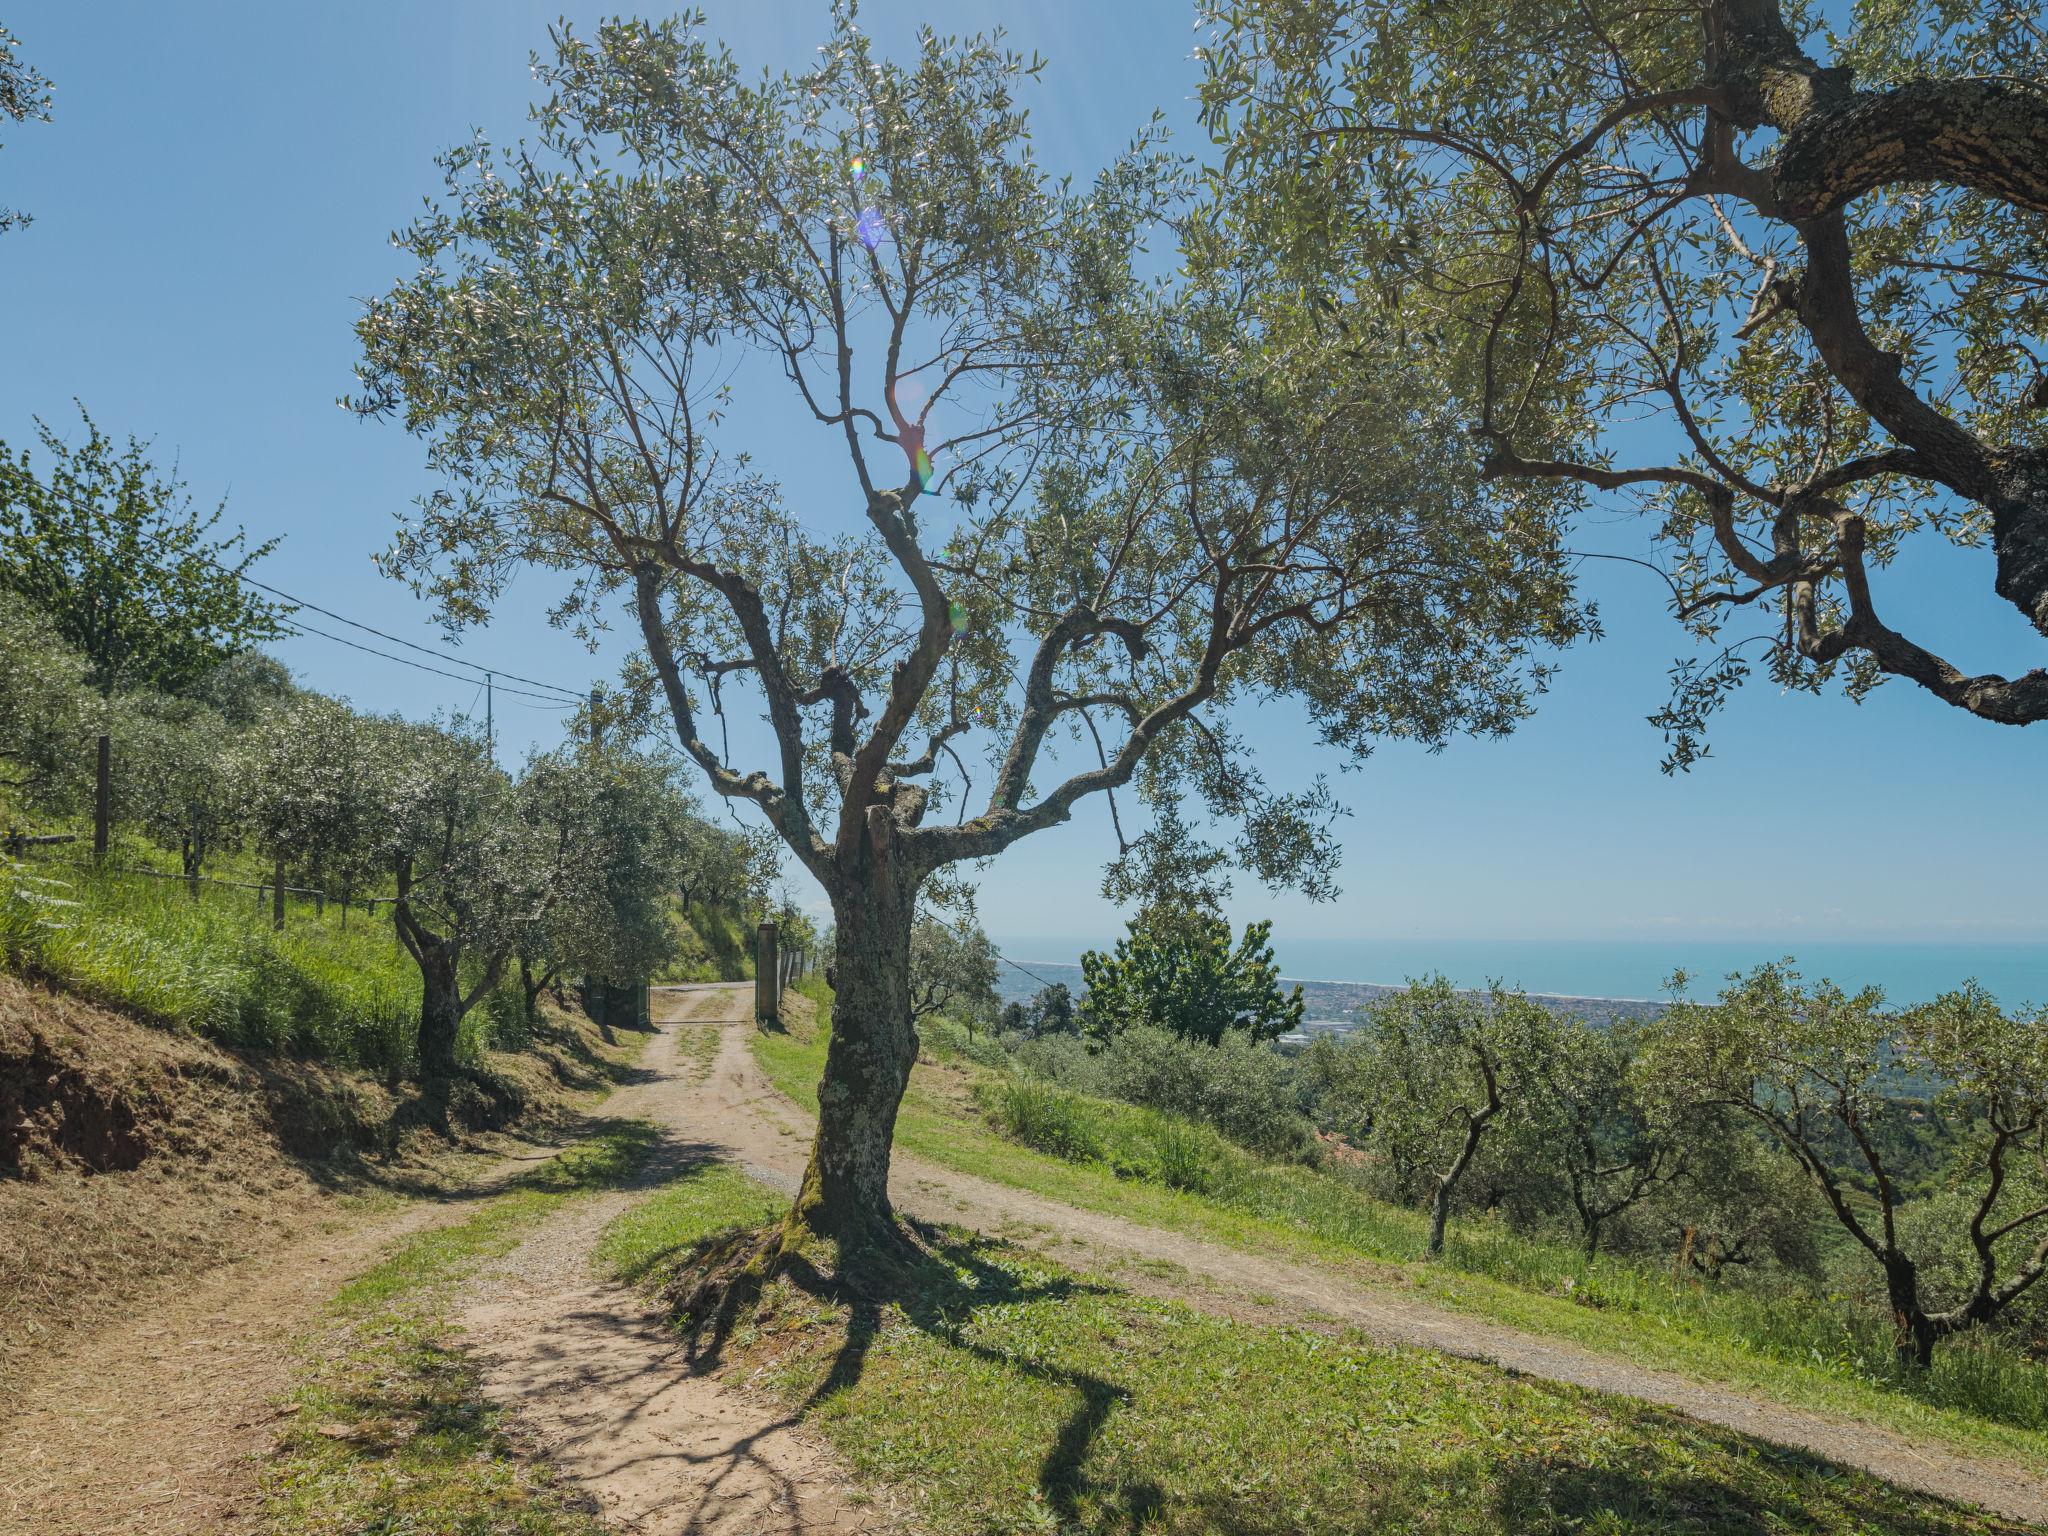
x: 1237, y: 1085
x: 1063, y: 1059
x: 1048, y: 1118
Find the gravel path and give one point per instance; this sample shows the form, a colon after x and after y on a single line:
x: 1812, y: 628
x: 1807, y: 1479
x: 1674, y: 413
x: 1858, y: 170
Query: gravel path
x: 594, y: 1381
x: 757, y: 1126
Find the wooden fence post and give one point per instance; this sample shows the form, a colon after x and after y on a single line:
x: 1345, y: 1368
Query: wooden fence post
x: 767, y: 975
x: 277, y: 896
x: 102, y: 798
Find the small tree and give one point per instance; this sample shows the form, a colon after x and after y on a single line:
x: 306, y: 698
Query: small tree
x: 1438, y: 1070
x: 1180, y: 971
x: 952, y: 971
x: 1825, y: 1072
x: 178, y: 777
x: 316, y: 788
x: 1052, y: 1010
x: 727, y: 867
x: 47, y: 713
x: 24, y: 97
x: 1739, y: 1201
x: 1089, y: 511
x: 130, y: 574
x: 470, y: 876
x: 619, y: 830
x: 1583, y: 1114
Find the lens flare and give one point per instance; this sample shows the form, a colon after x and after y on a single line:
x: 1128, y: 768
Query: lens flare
x: 859, y: 168
x: 871, y: 231
x: 925, y: 473
x: 958, y: 614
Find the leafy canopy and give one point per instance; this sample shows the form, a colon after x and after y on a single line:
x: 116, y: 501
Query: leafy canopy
x: 1773, y: 277
x: 1082, y: 512
x: 131, y: 576
x: 1179, y: 971
x: 24, y: 97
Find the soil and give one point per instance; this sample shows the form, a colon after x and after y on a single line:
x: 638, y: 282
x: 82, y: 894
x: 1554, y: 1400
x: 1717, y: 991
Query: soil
x: 149, y: 1301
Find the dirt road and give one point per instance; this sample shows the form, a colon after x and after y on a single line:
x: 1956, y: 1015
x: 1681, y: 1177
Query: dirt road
x: 153, y: 1427
x: 741, y: 1111
x: 592, y: 1377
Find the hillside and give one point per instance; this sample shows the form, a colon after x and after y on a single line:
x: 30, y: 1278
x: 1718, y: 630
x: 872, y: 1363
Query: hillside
x: 133, y: 1157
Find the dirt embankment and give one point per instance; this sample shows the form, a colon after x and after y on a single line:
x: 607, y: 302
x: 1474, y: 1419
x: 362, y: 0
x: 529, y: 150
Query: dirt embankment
x: 132, y: 1157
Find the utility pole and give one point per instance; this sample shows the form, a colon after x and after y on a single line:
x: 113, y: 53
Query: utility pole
x: 490, y: 725
x: 102, y: 798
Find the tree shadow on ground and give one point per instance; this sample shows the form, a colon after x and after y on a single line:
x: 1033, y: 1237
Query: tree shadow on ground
x: 1563, y: 1494
x: 935, y: 1279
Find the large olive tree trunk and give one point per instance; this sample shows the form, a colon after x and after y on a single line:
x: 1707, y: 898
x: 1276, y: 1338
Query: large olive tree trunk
x: 845, y: 1192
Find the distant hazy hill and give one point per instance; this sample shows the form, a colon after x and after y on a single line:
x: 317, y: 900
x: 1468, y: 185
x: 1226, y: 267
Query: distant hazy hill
x: 1331, y: 1004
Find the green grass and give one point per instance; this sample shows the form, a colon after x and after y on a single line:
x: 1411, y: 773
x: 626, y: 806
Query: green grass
x: 1000, y: 1393
x: 390, y: 1430
x: 702, y: 1202
x: 1809, y: 1353
x: 215, y: 966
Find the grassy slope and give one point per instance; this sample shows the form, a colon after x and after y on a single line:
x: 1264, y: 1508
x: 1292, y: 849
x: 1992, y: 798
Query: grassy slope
x: 1320, y: 1219
x: 391, y: 1431
x: 716, y: 946
x: 335, y: 987
x: 1002, y: 1393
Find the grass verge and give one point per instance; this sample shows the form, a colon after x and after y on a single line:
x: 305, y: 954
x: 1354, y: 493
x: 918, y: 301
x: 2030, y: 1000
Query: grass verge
x: 1001, y: 1393
x: 390, y: 1431
x: 1298, y: 1213
x: 213, y: 964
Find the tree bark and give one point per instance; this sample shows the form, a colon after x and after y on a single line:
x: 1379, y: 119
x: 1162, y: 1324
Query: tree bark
x: 440, y: 1010
x: 845, y: 1193
x: 1916, y: 1332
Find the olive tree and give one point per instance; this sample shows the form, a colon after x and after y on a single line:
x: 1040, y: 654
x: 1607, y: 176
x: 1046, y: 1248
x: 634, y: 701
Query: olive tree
x: 952, y: 970
x: 47, y: 713
x: 470, y: 876
x: 1827, y: 1074
x: 24, y: 97
x: 728, y: 867
x: 316, y: 781
x: 178, y: 777
x: 1586, y: 1117
x: 1085, y: 511
x: 619, y: 829
x: 1437, y: 1071
x: 1807, y: 243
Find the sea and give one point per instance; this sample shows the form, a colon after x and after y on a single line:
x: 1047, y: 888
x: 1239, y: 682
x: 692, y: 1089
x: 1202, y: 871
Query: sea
x: 2015, y: 973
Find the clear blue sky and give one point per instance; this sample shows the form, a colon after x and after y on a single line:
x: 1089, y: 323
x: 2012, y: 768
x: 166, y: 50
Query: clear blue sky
x: 213, y: 198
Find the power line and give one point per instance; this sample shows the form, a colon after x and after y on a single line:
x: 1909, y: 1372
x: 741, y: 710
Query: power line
x: 961, y: 929
x: 371, y: 629
x: 299, y: 627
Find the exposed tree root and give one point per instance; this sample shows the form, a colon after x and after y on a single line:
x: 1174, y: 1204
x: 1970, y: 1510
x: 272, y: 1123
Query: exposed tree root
x: 722, y: 1285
